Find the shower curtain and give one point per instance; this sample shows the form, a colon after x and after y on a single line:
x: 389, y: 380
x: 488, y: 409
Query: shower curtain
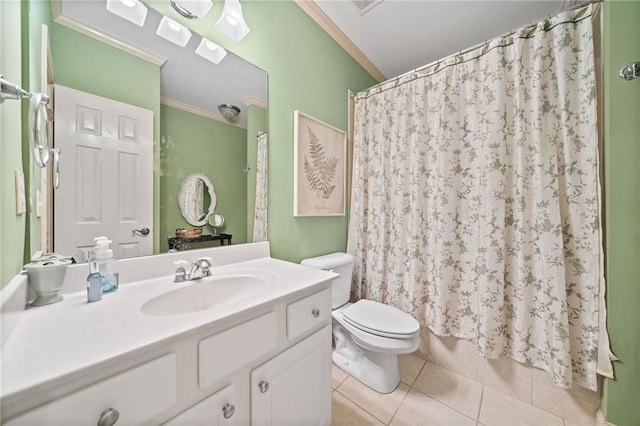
x: 260, y: 215
x: 476, y: 200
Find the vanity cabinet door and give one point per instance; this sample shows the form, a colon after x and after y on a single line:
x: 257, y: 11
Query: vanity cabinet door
x: 132, y: 397
x: 218, y: 409
x: 295, y: 386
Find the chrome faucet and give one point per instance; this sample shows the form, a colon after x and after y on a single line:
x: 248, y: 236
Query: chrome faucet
x: 203, y: 265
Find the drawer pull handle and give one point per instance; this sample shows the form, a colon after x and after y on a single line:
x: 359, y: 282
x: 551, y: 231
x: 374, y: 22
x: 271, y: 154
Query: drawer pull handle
x: 108, y: 417
x: 264, y: 386
x: 228, y: 410
x: 315, y: 312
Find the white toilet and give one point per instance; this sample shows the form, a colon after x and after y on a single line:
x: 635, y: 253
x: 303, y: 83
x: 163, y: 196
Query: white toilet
x: 368, y: 335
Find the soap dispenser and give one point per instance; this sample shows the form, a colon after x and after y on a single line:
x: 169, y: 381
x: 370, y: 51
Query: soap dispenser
x: 94, y: 283
x: 107, y: 265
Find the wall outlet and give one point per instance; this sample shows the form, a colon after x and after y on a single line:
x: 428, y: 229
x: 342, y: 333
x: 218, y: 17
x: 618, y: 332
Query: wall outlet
x: 21, y: 201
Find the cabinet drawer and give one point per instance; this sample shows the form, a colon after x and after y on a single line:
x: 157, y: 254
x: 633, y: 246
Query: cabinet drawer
x: 223, y: 353
x: 218, y: 409
x: 138, y: 394
x: 306, y: 313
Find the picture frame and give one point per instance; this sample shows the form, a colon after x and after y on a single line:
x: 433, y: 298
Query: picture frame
x: 319, y: 167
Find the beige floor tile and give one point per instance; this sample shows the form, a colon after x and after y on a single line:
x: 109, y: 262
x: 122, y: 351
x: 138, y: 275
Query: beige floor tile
x: 337, y: 376
x: 345, y: 412
x: 381, y: 406
x: 501, y: 409
x: 410, y: 366
x: 507, y: 376
x: 418, y: 409
x: 454, y: 390
x: 560, y: 402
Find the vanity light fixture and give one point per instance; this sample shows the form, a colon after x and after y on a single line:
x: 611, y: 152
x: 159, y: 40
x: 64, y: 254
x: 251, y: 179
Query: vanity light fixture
x: 230, y: 112
x: 174, y: 32
x: 211, y: 51
x: 231, y: 22
x: 191, y: 9
x: 131, y: 10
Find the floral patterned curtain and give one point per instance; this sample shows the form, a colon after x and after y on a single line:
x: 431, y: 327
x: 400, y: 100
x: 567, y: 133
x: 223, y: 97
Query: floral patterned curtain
x: 260, y: 216
x: 476, y: 200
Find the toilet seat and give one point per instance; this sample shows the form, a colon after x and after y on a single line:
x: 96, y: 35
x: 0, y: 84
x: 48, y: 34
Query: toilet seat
x: 380, y: 319
x: 382, y: 344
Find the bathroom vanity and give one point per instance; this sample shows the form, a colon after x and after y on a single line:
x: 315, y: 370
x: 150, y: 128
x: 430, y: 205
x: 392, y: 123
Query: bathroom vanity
x: 212, y: 351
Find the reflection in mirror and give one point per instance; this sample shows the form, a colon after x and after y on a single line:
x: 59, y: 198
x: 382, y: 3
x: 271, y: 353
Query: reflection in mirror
x: 126, y: 63
x: 197, y: 199
x: 216, y: 220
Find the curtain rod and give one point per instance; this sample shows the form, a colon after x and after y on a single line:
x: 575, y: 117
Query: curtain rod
x: 475, y: 46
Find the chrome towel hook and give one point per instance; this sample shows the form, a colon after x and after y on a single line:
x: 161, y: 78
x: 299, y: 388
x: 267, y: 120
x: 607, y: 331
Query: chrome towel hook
x: 630, y: 71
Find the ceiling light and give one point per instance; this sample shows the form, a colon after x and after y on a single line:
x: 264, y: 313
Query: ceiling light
x: 191, y: 9
x: 230, y: 112
x: 211, y: 51
x: 174, y: 32
x: 131, y: 10
x: 231, y: 22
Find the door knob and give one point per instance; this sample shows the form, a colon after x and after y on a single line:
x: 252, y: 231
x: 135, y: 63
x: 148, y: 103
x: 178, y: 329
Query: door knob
x: 143, y: 231
x: 228, y: 410
x: 108, y: 417
x: 264, y: 386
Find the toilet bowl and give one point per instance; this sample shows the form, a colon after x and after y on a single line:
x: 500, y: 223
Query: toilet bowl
x: 368, y: 335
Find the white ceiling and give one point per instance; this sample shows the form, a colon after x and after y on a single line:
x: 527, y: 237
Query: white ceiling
x: 185, y: 76
x: 401, y: 35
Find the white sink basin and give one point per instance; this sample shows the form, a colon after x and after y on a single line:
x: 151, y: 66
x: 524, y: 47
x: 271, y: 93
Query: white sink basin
x: 208, y: 293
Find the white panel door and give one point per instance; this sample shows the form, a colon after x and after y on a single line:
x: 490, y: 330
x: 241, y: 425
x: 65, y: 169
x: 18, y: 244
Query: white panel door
x: 106, y: 174
x: 295, y: 387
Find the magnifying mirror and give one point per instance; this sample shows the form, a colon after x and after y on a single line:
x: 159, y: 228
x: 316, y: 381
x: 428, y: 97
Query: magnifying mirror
x: 216, y: 220
x: 39, y: 125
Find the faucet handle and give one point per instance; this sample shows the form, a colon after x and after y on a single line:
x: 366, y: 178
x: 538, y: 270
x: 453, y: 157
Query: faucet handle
x: 181, y: 271
x: 205, y: 265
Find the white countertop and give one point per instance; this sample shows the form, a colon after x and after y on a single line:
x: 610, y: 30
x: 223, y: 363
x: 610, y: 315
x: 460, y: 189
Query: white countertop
x: 49, y: 343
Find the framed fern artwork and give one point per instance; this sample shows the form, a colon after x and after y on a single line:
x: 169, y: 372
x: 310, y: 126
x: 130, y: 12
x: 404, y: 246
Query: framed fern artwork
x: 319, y: 167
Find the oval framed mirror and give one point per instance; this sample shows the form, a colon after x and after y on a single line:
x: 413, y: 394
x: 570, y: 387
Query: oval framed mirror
x: 197, y: 199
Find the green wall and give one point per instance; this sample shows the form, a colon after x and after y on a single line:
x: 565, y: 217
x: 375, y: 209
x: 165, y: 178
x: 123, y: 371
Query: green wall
x: 12, y: 226
x: 308, y: 71
x: 256, y: 122
x: 621, y: 401
x: 191, y: 143
x: 83, y: 63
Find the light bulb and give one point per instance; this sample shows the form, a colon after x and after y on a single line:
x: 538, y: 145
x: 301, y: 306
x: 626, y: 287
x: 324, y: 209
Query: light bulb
x: 210, y: 45
x: 128, y: 3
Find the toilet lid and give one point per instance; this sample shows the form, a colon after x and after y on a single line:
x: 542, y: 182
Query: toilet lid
x: 380, y: 319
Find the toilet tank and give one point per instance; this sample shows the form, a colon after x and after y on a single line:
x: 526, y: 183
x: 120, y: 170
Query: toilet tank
x: 340, y: 263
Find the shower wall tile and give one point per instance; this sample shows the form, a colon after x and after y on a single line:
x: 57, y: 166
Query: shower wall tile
x: 454, y: 354
x: 501, y: 409
x: 541, y: 376
x: 507, y: 376
x: 562, y: 403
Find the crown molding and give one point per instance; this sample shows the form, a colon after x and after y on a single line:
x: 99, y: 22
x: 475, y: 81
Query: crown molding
x: 321, y: 18
x: 59, y: 17
x: 201, y: 112
x: 252, y: 100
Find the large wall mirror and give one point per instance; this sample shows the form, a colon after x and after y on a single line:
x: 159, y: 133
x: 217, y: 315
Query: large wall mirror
x: 100, y: 54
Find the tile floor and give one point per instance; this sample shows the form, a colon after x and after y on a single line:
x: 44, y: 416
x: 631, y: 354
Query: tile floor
x: 431, y: 395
